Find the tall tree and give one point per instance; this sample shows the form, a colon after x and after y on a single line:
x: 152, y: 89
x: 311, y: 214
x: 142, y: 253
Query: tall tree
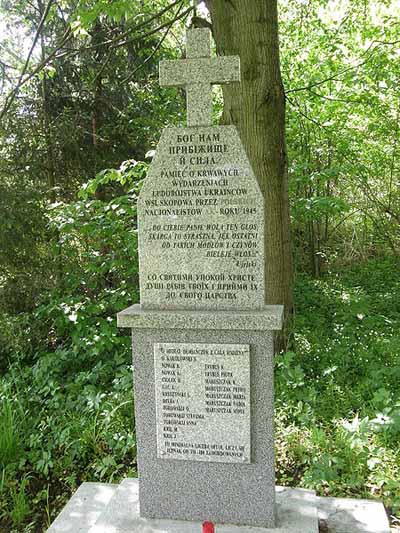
x: 249, y: 28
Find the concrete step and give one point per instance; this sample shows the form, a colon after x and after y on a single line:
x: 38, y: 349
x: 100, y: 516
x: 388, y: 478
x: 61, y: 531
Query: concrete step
x: 84, y: 508
x: 107, y: 508
x: 348, y: 515
x: 296, y: 512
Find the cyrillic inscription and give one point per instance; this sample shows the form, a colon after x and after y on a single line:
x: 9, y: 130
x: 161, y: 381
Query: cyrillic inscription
x: 201, y: 224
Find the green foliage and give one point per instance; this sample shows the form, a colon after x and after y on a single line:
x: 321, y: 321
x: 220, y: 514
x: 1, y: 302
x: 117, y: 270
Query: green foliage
x: 77, y: 427
x: 20, y: 505
x: 340, y: 67
x: 10, y: 445
x: 66, y: 404
x: 119, y: 10
x: 127, y: 175
x: 23, y: 256
x: 337, y: 397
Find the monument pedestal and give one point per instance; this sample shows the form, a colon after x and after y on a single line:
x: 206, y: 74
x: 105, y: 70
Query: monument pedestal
x: 196, y: 472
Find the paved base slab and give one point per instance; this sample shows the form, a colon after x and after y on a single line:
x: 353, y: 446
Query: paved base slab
x: 105, y: 508
x: 84, y: 508
x: 346, y: 515
x: 296, y: 512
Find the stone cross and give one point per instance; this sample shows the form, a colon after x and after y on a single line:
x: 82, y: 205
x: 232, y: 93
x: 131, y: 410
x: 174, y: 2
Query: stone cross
x: 197, y: 73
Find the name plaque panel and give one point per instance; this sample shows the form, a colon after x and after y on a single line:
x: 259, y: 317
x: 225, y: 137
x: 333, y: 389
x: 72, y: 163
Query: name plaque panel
x: 203, y: 402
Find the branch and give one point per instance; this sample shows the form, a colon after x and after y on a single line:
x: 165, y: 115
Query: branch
x: 35, y: 8
x: 67, y: 36
x: 332, y: 99
x: 5, y: 65
x: 10, y: 98
x: 114, y: 42
x: 103, y: 66
x: 344, y: 71
x: 345, y: 218
x: 166, y: 24
x: 304, y: 114
x: 37, y: 34
x: 158, y: 46
x: 12, y: 95
x: 136, y: 28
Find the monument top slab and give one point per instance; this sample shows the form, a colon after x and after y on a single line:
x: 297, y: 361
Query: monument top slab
x: 201, y: 224
x: 197, y: 73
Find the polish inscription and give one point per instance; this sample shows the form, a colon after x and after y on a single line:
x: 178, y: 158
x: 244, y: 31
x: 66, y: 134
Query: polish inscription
x: 203, y: 401
x: 201, y: 224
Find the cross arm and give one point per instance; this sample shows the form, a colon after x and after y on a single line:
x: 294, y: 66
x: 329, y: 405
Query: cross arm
x: 179, y: 73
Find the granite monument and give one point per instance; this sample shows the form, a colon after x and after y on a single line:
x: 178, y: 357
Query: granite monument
x: 202, y: 335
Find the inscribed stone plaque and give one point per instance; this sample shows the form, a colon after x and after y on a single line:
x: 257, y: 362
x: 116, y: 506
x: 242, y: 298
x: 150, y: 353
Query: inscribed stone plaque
x: 201, y: 224
x: 203, y: 401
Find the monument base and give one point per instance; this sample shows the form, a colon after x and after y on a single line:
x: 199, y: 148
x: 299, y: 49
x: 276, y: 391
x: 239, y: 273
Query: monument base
x: 296, y: 512
x: 107, y: 508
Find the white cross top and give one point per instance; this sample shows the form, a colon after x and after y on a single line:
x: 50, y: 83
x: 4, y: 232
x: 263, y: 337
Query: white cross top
x: 197, y: 73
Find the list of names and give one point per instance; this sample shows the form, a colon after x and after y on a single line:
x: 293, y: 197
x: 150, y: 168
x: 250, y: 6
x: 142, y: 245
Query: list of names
x: 203, y: 401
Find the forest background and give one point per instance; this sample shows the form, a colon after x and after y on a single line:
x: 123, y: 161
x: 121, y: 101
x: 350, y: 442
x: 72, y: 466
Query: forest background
x: 80, y: 114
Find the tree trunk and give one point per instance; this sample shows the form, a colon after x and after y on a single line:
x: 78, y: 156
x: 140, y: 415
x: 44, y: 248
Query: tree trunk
x: 249, y: 28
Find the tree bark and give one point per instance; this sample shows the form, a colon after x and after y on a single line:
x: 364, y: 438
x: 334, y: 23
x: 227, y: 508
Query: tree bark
x: 249, y: 28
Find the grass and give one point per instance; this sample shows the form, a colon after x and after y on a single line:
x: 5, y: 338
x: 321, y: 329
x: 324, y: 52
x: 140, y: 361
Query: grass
x: 20, y: 507
x: 337, y: 395
x: 10, y: 445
